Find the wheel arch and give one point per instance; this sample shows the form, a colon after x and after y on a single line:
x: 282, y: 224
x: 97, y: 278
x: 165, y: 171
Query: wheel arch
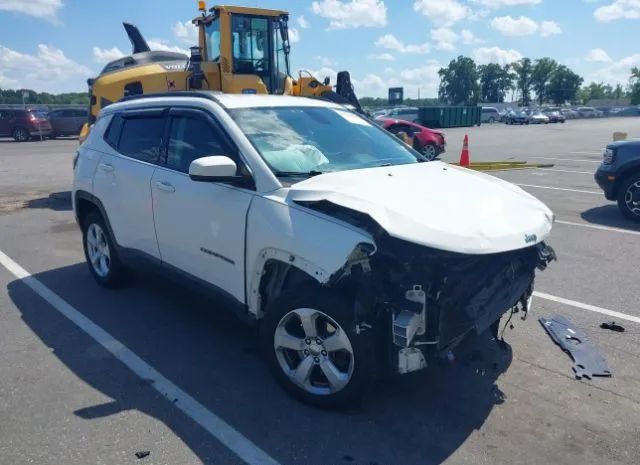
x: 85, y: 203
x: 627, y: 172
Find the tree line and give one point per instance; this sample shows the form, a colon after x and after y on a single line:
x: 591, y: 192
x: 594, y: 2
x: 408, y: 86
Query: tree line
x: 8, y: 96
x: 463, y: 82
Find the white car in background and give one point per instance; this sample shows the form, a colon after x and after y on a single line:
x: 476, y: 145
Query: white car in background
x: 537, y: 117
x: 350, y: 252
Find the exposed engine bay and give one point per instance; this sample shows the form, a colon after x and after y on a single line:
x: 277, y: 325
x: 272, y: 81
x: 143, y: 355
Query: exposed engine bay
x: 427, y: 300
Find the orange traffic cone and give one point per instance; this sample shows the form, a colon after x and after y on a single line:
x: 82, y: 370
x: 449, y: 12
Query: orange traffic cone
x: 464, y: 156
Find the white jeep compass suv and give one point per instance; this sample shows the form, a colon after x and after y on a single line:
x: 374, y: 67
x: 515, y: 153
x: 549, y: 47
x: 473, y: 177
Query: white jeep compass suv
x: 352, y: 253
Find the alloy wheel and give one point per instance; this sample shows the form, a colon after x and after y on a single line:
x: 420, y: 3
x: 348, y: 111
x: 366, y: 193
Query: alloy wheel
x: 632, y: 198
x: 98, y: 250
x: 20, y: 134
x: 313, y: 351
x: 429, y: 151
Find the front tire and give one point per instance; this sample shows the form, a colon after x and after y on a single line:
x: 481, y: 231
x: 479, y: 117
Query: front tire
x: 309, y: 338
x: 100, y: 252
x: 429, y: 151
x: 629, y: 197
x: 20, y: 134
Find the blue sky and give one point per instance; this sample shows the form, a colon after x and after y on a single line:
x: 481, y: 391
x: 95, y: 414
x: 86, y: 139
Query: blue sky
x: 54, y: 45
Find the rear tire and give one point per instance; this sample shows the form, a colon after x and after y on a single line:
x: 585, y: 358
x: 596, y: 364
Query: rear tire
x: 349, y: 359
x: 20, y: 134
x: 100, y: 252
x: 629, y: 197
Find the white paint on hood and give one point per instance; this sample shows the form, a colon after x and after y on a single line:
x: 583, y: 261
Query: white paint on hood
x: 437, y: 205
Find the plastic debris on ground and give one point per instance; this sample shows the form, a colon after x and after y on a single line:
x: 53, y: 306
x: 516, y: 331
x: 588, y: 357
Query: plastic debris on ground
x: 587, y: 360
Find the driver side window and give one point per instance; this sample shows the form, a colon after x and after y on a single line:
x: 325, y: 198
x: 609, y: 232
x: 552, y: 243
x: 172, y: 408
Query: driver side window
x: 191, y: 138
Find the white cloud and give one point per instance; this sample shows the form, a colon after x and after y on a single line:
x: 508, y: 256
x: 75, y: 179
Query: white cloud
x: 549, y: 28
x: 513, y: 27
x: 105, y: 55
x: 186, y: 32
x: 598, y: 55
x: 161, y: 44
x: 444, y: 38
x: 302, y: 22
x: 381, y: 56
x: 47, y: 71
x: 294, y: 35
x: 442, y: 12
x: 45, y: 9
x: 391, y: 42
x: 469, y: 38
x: 371, y: 84
x: 619, y: 9
x: 485, y: 55
x: 352, y: 13
x: 615, y: 72
x: 502, y: 3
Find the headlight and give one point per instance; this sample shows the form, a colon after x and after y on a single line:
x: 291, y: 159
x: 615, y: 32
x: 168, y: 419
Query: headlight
x: 608, y: 156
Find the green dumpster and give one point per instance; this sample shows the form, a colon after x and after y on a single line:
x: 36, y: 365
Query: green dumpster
x: 449, y: 117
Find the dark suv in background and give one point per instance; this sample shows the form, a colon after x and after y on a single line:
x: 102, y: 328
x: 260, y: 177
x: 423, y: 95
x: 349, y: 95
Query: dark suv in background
x: 67, y: 121
x: 22, y: 124
x: 619, y: 176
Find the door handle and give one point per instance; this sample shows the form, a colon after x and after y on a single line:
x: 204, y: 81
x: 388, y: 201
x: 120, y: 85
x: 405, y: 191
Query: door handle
x: 165, y: 186
x: 106, y: 167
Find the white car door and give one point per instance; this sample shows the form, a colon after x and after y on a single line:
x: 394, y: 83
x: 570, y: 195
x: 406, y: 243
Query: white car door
x: 123, y: 177
x: 200, y: 225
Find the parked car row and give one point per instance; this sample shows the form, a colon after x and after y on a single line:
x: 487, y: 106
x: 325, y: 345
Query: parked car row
x: 25, y: 124
x: 533, y: 117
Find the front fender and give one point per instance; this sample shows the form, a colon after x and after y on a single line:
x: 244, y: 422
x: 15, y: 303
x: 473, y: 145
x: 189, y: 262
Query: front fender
x: 315, y: 243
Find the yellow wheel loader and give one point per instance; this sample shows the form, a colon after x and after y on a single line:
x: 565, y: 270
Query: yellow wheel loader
x: 239, y: 50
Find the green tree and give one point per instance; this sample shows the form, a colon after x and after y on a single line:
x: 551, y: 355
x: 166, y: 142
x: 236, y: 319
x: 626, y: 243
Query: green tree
x: 634, y: 86
x: 618, y: 92
x: 495, y: 82
x: 459, y: 82
x: 541, y: 75
x: 596, y: 91
x: 564, y: 85
x: 523, y: 69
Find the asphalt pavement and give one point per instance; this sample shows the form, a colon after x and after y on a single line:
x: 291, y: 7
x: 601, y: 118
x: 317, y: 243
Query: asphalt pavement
x: 154, y: 367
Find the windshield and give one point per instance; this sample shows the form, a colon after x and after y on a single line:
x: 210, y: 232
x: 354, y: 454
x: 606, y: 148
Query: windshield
x: 309, y: 140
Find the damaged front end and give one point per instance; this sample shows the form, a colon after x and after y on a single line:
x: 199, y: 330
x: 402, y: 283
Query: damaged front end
x: 424, y: 301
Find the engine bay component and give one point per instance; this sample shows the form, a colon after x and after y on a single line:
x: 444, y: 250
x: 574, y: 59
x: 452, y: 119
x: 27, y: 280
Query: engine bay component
x: 587, y: 360
x: 410, y: 359
x: 406, y: 324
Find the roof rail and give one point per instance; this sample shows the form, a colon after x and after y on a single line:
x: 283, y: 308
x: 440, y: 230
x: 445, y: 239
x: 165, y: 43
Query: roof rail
x: 209, y: 95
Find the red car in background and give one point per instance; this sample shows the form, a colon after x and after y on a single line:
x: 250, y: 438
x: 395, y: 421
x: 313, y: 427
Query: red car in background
x: 428, y: 142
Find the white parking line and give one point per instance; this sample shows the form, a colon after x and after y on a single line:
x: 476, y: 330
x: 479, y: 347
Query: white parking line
x: 597, y: 226
x: 591, y: 308
x: 590, y: 173
x: 586, y: 153
x: 558, y: 189
x: 567, y: 159
x: 214, y: 425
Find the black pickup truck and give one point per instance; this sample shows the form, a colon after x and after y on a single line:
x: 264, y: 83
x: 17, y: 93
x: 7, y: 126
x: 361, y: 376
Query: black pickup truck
x: 619, y: 176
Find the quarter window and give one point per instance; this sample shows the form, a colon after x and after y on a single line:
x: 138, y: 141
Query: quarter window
x: 141, y: 138
x: 191, y: 138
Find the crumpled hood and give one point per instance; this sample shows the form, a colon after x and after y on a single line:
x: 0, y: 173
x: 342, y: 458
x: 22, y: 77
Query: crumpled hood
x: 436, y: 205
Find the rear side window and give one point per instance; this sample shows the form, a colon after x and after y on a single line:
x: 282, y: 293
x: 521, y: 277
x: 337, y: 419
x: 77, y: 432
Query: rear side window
x: 191, y: 138
x: 112, y: 136
x: 141, y: 137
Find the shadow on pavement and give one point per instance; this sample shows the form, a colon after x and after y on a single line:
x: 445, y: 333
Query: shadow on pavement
x: 57, y: 201
x: 421, y: 418
x: 609, y: 215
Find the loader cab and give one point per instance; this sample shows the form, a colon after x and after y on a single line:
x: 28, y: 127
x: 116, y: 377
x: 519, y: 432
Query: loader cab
x: 246, y: 43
